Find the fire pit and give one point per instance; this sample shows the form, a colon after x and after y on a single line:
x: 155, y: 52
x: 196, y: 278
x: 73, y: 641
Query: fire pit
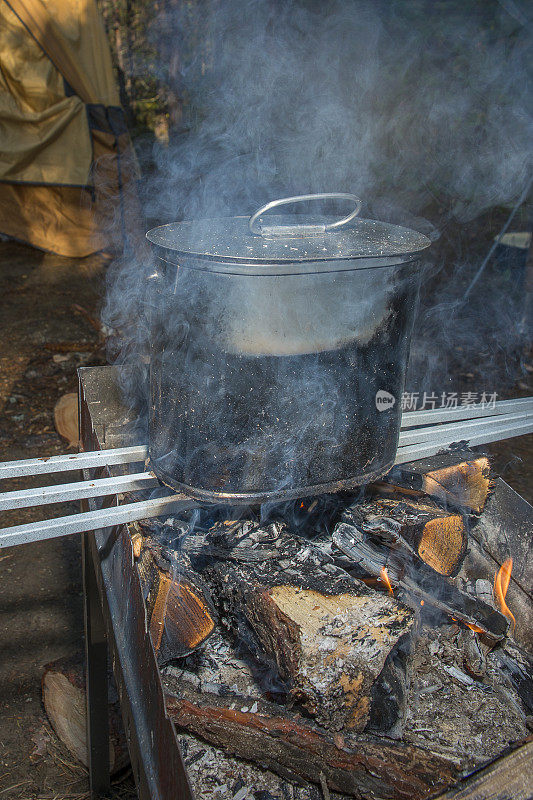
x: 308, y: 640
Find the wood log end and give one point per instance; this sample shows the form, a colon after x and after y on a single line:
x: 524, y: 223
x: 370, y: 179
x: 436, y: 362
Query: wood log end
x: 467, y: 484
x: 330, y: 647
x: 64, y: 700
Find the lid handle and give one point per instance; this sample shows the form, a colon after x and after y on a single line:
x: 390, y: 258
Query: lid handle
x: 302, y: 230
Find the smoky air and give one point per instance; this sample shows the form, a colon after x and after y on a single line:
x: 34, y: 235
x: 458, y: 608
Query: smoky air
x: 421, y: 112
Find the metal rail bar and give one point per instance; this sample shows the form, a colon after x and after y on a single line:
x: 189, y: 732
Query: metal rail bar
x: 449, y: 431
x: 414, y: 444
x: 72, y: 461
x: 431, y: 416
x: 138, y: 453
x: 421, y: 450
x: 92, y: 520
x: 59, y: 493
x: 80, y: 490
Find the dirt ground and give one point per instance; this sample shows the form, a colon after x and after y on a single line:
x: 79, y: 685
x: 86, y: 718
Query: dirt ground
x: 46, y: 307
x: 44, y: 338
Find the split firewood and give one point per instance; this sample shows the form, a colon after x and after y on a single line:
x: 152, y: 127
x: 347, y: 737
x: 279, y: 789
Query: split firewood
x: 378, y: 551
x: 461, y: 482
x: 296, y: 747
x: 64, y: 700
x: 327, y: 634
x: 66, y: 418
x: 180, y: 610
x: 436, y: 536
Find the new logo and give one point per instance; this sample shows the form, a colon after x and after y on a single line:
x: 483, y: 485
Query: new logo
x: 384, y: 400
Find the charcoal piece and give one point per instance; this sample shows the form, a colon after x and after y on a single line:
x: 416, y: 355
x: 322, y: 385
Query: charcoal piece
x: 390, y: 692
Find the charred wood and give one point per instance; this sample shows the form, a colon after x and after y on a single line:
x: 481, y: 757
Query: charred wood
x: 415, y: 582
x: 480, y: 565
x: 390, y: 692
x: 437, y: 537
x: 293, y: 746
x: 505, y: 529
x: 328, y: 634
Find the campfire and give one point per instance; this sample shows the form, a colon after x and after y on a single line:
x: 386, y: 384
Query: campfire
x: 369, y: 643
x: 335, y: 619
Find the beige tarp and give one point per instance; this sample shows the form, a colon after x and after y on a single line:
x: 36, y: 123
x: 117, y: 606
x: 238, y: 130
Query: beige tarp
x: 66, y: 162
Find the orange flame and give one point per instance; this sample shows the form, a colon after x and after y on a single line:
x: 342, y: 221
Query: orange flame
x: 474, y: 628
x: 385, y: 578
x: 501, y: 583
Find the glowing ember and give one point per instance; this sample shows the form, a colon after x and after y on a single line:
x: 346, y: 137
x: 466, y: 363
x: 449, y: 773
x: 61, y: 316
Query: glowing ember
x: 501, y: 583
x: 474, y: 628
x: 385, y: 579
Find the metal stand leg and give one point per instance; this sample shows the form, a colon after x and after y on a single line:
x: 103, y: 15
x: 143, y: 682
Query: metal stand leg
x: 96, y: 660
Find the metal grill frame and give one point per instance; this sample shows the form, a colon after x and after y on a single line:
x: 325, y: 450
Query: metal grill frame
x: 116, y: 627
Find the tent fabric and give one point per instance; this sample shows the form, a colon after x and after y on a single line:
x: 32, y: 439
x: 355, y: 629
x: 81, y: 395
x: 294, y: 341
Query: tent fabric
x: 67, y: 167
x: 72, y: 35
x: 70, y: 221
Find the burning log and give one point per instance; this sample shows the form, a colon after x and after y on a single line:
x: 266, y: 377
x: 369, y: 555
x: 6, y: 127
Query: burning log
x: 327, y: 634
x: 437, y: 537
x: 228, y: 709
x: 415, y: 582
x: 179, y: 607
x: 464, y: 484
x: 504, y: 531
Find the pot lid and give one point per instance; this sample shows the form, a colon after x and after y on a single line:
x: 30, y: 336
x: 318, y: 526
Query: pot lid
x: 287, y: 238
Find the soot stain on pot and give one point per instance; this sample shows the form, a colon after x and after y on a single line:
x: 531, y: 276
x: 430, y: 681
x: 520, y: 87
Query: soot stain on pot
x: 226, y: 423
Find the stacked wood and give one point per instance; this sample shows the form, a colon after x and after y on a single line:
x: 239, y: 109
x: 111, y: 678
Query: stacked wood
x: 327, y: 634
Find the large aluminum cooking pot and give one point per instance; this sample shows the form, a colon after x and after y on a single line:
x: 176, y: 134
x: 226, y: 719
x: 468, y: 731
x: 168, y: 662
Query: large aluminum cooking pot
x: 279, y: 352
